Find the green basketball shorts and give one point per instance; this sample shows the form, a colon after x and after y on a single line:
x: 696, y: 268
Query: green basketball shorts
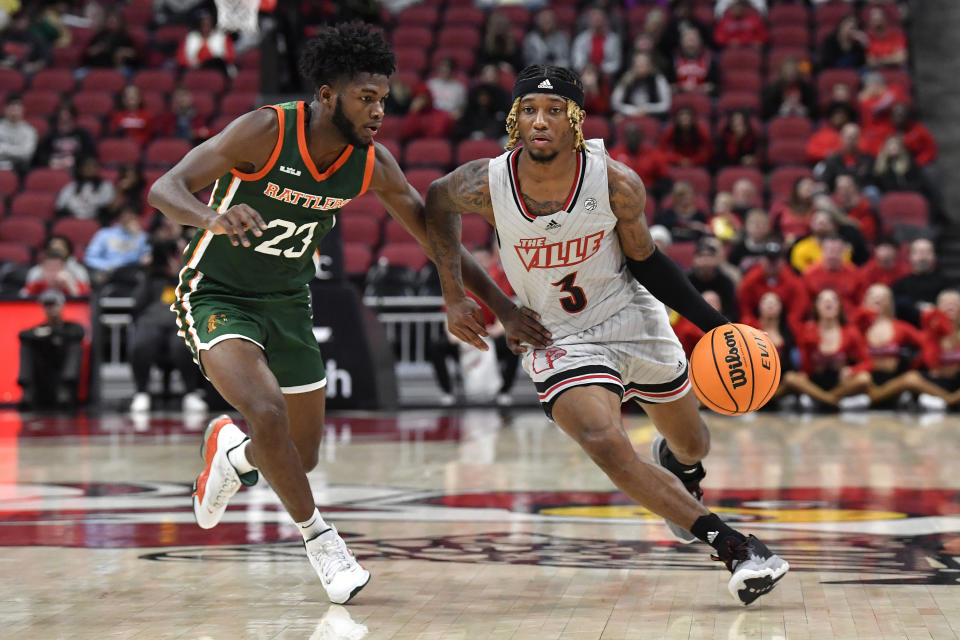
x: 281, y: 324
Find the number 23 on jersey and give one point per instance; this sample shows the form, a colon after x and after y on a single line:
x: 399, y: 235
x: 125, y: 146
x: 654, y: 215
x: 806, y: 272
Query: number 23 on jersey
x: 299, y: 244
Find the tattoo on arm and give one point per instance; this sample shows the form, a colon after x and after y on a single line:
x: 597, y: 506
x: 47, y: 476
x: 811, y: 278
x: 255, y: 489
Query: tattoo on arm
x: 628, y: 199
x: 462, y: 191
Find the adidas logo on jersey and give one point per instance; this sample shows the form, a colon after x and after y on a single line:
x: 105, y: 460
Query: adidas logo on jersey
x: 290, y: 170
x: 545, y: 85
x: 553, y: 226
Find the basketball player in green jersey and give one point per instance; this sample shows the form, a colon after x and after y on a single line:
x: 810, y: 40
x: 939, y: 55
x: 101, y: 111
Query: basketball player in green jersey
x: 280, y: 175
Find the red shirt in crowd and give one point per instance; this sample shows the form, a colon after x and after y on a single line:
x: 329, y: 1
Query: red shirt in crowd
x: 845, y: 281
x: 787, y: 285
x: 920, y: 143
x: 865, y: 218
x: 649, y: 162
x: 35, y: 288
x: 698, y: 153
x: 135, y: 124
x: 891, y: 42
x: 852, y: 352
x: 875, y: 123
x: 787, y: 222
x: 872, y: 272
x: 825, y: 141
x: 692, y: 72
x: 747, y: 29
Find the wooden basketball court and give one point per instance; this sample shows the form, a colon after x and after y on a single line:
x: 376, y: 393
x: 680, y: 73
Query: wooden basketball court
x: 479, y: 525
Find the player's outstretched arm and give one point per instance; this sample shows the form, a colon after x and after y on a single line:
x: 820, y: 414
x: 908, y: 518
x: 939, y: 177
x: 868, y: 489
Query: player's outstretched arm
x: 464, y: 317
x: 654, y: 270
x: 246, y: 145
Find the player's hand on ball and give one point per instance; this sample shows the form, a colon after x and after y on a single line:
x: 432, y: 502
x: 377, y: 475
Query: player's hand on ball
x: 465, y: 321
x: 523, y: 325
x: 235, y: 222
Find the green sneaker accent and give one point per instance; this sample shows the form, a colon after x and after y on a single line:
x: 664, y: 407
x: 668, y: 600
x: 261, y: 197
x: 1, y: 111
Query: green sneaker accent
x: 249, y: 478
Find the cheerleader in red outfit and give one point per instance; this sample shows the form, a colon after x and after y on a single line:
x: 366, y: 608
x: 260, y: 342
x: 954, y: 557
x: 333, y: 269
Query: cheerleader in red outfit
x: 887, y: 341
x: 833, y: 356
x: 769, y: 317
x: 942, y: 330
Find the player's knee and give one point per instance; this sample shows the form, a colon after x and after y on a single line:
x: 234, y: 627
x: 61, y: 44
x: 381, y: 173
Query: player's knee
x: 692, y: 444
x: 268, y: 419
x: 309, y: 459
x: 604, y: 444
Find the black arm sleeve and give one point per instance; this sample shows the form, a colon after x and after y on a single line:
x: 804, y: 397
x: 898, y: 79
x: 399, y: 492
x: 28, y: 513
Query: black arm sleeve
x: 663, y: 278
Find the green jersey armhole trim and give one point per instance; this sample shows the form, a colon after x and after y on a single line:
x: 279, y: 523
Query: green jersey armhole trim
x: 273, y: 156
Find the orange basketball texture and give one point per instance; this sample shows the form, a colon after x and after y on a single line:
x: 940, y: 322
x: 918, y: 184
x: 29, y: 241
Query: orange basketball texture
x: 735, y: 369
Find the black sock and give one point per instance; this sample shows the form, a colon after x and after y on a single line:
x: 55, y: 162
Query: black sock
x: 693, y: 471
x: 712, y: 530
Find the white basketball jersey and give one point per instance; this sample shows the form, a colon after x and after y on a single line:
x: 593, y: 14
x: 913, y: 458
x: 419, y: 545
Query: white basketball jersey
x: 567, y: 266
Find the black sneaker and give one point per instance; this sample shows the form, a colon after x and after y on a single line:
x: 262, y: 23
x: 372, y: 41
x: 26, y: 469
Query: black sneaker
x: 756, y: 570
x: 660, y: 452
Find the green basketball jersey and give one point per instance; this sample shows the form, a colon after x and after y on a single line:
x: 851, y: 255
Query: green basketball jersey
x: 296, y: 201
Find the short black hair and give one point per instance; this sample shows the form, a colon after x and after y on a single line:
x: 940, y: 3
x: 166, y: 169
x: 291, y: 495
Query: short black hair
x: 343, y: 52
x: 550, y: 71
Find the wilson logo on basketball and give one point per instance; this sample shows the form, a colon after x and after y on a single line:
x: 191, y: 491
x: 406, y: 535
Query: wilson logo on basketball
x: 536, y: 253
x: 738, y: 377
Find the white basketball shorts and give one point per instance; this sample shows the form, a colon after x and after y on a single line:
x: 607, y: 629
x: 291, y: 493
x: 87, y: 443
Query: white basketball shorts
x: 634, y: 353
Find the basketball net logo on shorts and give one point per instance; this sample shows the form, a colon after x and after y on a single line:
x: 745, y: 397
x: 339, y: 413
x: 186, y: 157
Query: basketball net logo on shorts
x: 536, y: 253
x: 545, y: 358
x: 214, y: 319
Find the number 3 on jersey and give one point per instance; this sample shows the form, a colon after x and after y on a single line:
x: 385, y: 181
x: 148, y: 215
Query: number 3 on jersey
x: 576, y: 299
x: 289, y: 228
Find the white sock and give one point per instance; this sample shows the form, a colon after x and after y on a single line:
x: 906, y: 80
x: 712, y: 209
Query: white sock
x: 238, y: 458
x: 313, y: 526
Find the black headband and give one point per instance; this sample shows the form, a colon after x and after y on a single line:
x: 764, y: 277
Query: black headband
x: 543, y: 84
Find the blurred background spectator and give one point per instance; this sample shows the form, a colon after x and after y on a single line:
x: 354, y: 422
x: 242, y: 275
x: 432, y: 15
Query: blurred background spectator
x: 449, y: 92
x: 119, y: 246
x: 597, y: 44
x: 206, y: 47
x: 500, y: 46
x: 53, y: 273
x: 846, y: 47
x: 686, y: 141
x: 88, y: 196
x: 66, y: 142
x: 18, y: 138
x: 545, y: 43
x: 642, y: 90
x: 51, y: 356
x: 112, y: 45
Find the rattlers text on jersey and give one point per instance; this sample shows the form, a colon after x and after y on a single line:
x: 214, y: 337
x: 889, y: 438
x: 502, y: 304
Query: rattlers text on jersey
x: 569, y: 267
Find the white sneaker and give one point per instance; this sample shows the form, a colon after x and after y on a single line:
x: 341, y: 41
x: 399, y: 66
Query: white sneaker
x: 341, y: 574
x: 928, y: 402
x: 219, y: 480
x: 806, y: 402
x: 858, y: 402
x: 504, y: 399
x: 140, y: 402
x: 338, y: 624
x: 447, y: 400
x: 193, y: 403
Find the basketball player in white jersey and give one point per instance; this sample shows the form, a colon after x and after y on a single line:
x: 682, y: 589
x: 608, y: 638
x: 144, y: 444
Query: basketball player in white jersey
x: 576, y: 249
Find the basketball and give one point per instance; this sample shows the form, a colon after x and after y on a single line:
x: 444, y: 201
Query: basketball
x: 734, y: 369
